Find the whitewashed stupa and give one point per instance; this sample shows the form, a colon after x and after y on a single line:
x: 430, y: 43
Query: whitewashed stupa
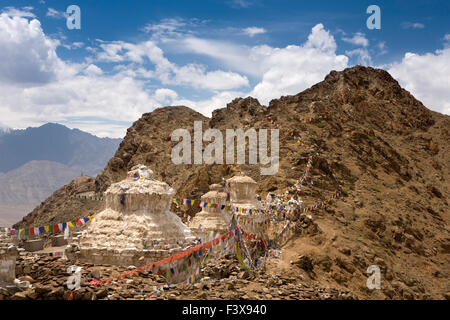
x: 8, y: 256
x: 212, y: 218
x: 243, y: 195
x: 136, y: 223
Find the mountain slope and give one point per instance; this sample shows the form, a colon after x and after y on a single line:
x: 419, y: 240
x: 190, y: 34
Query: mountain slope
x: 54, y: 142
x: 25, y: 187
x: 390, y: 152
x: 63, y: 205
x: 34, y: 182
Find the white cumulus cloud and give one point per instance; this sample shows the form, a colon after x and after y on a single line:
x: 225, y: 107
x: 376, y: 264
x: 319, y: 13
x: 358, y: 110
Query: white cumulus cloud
x: 165, y: 96
x: 362, y: 56
x: 169, y: 73
x: 36, y: 86
x: 293, y: 69
x: 207, y: 106
x: 280, y: 71
x: 426, y: 77
x: 93, y: 70
x: 27, y: 55
x: 23, y: 12
x: 358, y: 39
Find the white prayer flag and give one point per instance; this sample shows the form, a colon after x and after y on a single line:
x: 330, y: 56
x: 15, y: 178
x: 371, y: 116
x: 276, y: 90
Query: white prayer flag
x: 66, y: 233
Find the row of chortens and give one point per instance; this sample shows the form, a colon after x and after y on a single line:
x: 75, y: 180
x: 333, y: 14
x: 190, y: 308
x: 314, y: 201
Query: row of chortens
x: 138, y: 227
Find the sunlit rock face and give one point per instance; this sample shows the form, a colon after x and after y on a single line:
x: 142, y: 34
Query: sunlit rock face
x: 243, y: 195
x: 210, y: 218
x: 137, y: 225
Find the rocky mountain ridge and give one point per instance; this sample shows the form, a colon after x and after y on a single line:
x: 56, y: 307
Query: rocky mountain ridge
x: 390, y: 152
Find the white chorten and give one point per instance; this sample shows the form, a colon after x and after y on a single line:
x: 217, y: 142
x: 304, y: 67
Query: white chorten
x: 210, y: 218
x: 136, y: 223
x: 243, y: 195
x: 8, y: 256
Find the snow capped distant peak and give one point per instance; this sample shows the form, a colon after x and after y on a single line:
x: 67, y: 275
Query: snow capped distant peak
x: 4, y: 129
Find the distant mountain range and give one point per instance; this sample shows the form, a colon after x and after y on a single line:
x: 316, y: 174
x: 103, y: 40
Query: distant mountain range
x: 37, y: 161
x: 55, y: 142
x: 4, y: 130
x: 34, y: 181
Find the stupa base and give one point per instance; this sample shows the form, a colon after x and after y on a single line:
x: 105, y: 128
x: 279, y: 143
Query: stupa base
x: 8, y: 256
x: 120, y: 257
x: 136, y: 258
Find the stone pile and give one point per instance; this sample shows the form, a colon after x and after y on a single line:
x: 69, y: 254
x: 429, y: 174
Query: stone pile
x: 48, y: 277
x: 32, y: 245
x: 220, y: 279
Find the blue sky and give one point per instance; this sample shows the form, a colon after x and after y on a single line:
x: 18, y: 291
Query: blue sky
x: 130, y: 57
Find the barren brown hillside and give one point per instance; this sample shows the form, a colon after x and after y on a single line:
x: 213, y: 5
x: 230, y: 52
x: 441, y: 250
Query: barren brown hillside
x: 390, y: 152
